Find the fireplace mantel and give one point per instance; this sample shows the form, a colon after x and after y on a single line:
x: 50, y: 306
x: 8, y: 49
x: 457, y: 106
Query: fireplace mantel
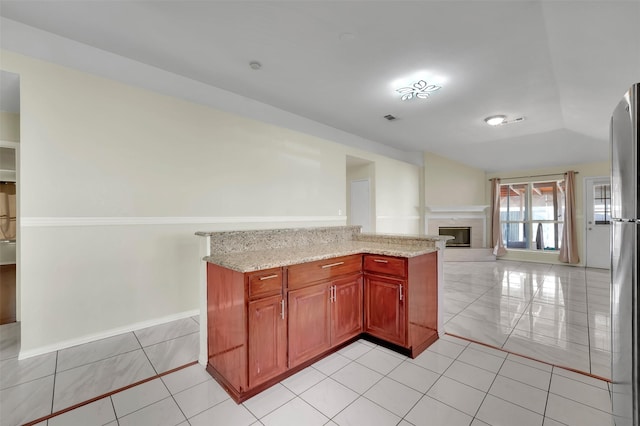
x: 457, y: 209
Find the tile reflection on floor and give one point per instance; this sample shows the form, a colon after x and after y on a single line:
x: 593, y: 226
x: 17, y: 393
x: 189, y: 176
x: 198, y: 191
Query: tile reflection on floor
x: 554, y: 313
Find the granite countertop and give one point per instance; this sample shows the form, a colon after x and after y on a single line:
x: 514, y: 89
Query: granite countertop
x: 248, y: 261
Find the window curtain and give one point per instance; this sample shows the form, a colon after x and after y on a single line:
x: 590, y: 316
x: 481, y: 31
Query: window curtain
x: 496, y: 238
x: 569, y: 249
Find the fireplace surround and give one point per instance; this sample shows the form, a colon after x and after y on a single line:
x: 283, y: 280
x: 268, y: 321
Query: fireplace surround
x: 461, y: 235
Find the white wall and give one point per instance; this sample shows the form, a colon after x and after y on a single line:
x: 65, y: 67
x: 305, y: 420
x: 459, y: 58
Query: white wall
x: 116, y: 179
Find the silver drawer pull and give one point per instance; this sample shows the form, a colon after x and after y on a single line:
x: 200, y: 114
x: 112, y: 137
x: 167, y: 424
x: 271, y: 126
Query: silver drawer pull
x: 401, y: 293
x: 380, y: 261
x: 282, y: 308
x: 330, y: 265
x: 268, y: 277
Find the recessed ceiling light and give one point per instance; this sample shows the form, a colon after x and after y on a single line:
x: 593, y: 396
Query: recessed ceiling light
x: 346, y: 36
x: 495, y: 120
x: 255, y: 65
x: 420, y: 89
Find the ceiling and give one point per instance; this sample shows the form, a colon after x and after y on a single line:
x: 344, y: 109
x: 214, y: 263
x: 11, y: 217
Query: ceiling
x: 563, y: 65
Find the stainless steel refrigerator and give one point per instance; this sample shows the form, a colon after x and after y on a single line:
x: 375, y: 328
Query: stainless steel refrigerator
x: 625, y: 258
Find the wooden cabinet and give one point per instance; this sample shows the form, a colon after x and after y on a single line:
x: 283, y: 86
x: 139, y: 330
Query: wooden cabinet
x: 401, y: 300
x: 267, y: 339
x: 246, y: 328
x: 323, y: 316
x: 325, y: 308
x: 384, y: 309
x: 346, y: 309
x: 266, y: 325
x: 309, y: 323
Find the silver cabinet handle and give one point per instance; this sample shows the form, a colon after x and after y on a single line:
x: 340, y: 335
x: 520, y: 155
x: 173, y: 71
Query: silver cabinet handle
x: 330, y: 265
x: 380, y: 261
x: 268, y: 277
x: 332, y: 293
x: 282, y: 308
x: 401, y: 294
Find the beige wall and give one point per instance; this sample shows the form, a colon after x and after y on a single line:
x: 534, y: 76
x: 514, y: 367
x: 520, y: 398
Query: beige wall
x: 584, y: 171
x: 449, y: 183
x: 398, y: 202
x: 115, y: 180
x: 9, y: 126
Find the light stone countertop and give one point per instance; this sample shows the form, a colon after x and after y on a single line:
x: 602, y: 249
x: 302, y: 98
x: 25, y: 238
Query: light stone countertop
x: 249, y: 261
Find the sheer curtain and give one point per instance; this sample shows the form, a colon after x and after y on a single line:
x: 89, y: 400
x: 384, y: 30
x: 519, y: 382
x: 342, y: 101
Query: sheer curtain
x: 496, y: 238
x: 569, y: 249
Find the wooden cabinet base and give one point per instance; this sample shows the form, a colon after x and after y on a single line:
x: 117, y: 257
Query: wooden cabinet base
x: 265, y: 326
x: 240, y: 397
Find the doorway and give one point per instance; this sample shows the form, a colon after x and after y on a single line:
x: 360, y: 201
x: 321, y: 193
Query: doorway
x: 359, y: 213
x: 598, y: 222
x: 9, y: 194
x: 361, y: 193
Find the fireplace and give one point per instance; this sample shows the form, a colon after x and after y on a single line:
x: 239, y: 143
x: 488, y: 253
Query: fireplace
x: 461, y: 234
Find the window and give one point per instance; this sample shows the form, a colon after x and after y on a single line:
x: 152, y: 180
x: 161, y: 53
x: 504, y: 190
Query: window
x: 531, y: 215
x: 602, y: 204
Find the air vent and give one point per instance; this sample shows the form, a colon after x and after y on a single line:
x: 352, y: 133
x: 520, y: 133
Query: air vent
x: 389, y: 117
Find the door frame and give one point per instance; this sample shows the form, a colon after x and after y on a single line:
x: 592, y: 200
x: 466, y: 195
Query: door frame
x: 368, y: 203
x: 16, y: 146
x: 587, y: 208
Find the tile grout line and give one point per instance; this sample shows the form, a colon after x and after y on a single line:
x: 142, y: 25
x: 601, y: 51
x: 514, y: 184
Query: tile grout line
x: 53, y: 389
x: 546, y: 402
x: 435, y: 381
x: 586, y: 288
x: 145, y: 354
x: 172, y: 397
x: 108, y: 394
x: 115, y: 414
x: 531, y: 358
x: 487, y: 392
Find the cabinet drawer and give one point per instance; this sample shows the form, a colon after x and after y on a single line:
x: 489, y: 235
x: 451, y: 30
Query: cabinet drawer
x: 265, y: 282
x: 386, y: 265
x: 306, y: 273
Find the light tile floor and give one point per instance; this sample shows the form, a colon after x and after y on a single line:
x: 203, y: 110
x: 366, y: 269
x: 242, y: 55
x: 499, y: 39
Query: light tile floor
x: 553, y: 313
x: 41, y: 385
x: 527, y: 308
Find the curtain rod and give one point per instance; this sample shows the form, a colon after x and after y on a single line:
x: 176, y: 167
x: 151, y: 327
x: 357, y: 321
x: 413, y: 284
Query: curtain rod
x: 532, y: 176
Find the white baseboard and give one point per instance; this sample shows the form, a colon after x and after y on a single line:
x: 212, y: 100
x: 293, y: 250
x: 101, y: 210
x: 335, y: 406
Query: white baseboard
x: 103, y: 335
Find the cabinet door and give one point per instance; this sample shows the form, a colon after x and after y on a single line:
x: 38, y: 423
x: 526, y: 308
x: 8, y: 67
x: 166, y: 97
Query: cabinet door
x: 346, y: 309
x: 267, y: 339
x: 385, y: 309
x: 309, y: 322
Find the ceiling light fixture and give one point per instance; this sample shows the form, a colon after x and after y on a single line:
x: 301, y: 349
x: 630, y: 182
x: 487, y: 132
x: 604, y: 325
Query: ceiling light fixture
x: 495, y: 120
x: 419, y: 89
x: 255, y: 65
x: 501, y: 120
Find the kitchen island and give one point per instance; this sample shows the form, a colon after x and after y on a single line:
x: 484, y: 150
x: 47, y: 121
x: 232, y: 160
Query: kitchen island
x: 276, y: 301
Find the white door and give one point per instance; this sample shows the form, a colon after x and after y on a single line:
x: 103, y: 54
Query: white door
x: 360, y: 213
x: 598, y: 222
